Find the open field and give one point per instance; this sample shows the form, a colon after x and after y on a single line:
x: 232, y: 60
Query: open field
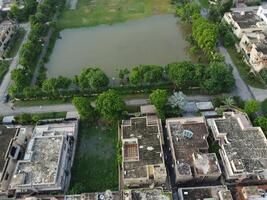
x: 244, y: 70
x: 95, y: 164
x: 95, y: 12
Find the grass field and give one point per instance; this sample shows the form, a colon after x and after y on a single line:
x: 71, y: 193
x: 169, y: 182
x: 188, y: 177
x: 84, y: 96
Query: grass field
x: 94, y: 12
x: 95, y: 164
x: 244, y: 69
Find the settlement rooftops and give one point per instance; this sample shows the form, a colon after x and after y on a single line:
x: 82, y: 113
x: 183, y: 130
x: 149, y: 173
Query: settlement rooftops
x: 212, y: 193
x: 143, y: 161
x: 45, y: 164
x: 243, y: 147
x: 188, y: 141
x: 146, y: 194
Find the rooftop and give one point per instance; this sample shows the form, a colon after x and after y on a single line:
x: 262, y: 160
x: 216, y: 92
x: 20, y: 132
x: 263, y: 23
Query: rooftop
x: 246, y: 19
x: 245, y: 147
x: 212, y: 192
x: 42, y: 156
x: 108, y: 195
x: 186, y: 144
x: 141, y: 144
x: 147, y: 194
x: 206, y: 164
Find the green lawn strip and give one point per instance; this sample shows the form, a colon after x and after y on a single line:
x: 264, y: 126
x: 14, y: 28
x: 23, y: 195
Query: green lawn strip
x: 264, y: 107
x: 95, y: 166
x: 15, y: 43
x: 4, y: 66
x: 244, y: 70
x: 91, y: 13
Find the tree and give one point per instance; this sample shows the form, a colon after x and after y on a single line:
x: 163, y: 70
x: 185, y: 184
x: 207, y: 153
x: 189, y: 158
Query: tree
x: 110, y: 105
x: 182, y: 74
x: 205, y: 33
x: 262, y: 122
x: 53, y: 85
x: 252, y: 106
x: 123, y: 73
x: 16, y: 13
x: 178, y: 100
x: 218, y: 79
x: 187, y: 11
x: 84, y: 108
x: 21, y: 78
x: 146, y: 74
x: 159, y: 99
x: 92, y: 78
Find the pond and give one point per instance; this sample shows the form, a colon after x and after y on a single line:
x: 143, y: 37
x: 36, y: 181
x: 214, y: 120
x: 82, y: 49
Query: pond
x: 155, y: 40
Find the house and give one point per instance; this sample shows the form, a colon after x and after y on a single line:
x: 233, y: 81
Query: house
x: 145, y: 193
x: 212, y: 192
x: 257, y: 192
x: 243, y: 148
x: 189, y: 148
x: 13, y: 142
x: 47, y: 161
x: 7, y: 29
x: 254, y: 48
x: 244, y: 22
x: 142, y: 155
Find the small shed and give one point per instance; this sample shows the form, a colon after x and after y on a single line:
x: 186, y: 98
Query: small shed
x: 205, y: 106
x: 72, y: 115
x: 8, y: 120
x: 148, y: 110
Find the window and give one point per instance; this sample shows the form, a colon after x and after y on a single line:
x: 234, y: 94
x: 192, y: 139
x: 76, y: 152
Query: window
x: 6, y: 176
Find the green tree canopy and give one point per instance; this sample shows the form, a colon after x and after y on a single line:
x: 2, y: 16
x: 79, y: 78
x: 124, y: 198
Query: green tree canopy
x: 53, y: 85
x: 188, y: 11
x: 262, y: 122
x: 84, y: 108
x: 92, y: 78
x: 159, y: 99
x: 218, y: 79
x: 252, y: 106
x: 182, y: 74
x: 146, y: 74
x: 110, y: 105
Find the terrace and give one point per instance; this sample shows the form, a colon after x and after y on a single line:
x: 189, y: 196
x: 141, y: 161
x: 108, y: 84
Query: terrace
x: 243, y: 147
x: 142, y: 150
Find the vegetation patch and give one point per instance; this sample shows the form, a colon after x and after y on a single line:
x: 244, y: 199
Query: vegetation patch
x: 264, y: 107
x: 15, y: 43
x: 95, y: 167
x: 4, y: 66
x: 244, y: 70
x: 91, y: 13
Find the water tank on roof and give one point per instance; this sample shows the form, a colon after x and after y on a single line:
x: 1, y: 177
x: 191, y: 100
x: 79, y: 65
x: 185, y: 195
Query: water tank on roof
x: 187, y: 134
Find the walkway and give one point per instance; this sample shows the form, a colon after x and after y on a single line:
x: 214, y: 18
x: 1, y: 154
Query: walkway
x: 241, y: 88
x: 7, y: 79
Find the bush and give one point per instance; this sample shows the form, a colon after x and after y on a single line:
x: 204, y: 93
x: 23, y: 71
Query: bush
x: 264, y: 107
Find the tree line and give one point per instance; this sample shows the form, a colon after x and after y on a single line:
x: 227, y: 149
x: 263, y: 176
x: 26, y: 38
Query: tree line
x: 30, y: 51
x: 214, y: 78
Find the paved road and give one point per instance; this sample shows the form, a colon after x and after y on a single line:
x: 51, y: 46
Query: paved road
x: 241, y: 89
x: 259, y: 94
x: 7, y: 79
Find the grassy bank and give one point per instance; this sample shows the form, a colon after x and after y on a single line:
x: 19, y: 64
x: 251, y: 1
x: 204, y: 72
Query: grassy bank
x: 244, y: 70
x: 95, y: 164
x: 4, y: 66
x: 91, y: 13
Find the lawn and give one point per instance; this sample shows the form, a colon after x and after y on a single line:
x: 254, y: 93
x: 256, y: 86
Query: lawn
x: 95, y: 166
x: 4, y: 65
x: 92, y: 12
x: 41, y: 102
x: 243, y: 68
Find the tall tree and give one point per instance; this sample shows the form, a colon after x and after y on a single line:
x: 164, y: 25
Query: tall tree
x: 84, y: 108
x: 110, y: 105
x: 252, y: 106
x: 159, y: 99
